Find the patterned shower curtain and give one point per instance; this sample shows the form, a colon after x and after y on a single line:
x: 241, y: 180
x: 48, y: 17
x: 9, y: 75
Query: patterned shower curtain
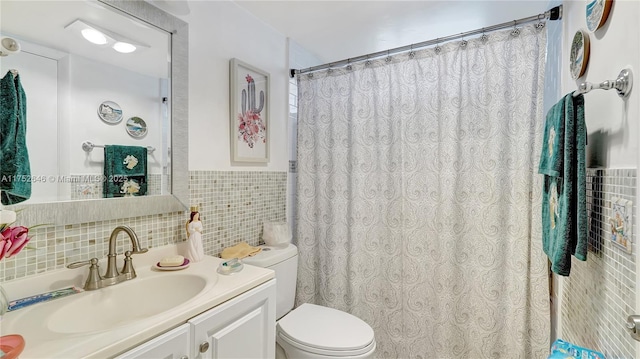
x: 419, y: 200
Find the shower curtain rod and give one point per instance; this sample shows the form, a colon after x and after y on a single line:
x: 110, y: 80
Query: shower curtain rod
x: 551, y: 14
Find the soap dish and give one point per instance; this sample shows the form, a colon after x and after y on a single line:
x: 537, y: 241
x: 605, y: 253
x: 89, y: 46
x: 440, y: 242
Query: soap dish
x: 231, y: 266
x: 184, y: 265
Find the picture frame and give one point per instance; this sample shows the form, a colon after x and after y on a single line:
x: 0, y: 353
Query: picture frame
x: 620, y: 223
x: 249, y: 113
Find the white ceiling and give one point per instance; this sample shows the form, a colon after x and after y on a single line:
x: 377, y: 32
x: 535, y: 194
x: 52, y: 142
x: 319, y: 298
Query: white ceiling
x: 337, y: 30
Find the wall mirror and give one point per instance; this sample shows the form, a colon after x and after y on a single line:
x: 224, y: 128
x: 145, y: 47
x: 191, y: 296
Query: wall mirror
x: 85, y: 92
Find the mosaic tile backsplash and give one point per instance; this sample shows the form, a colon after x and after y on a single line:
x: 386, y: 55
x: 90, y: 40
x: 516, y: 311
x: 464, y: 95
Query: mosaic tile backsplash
x: 601, y: 292
x: 233, y: 206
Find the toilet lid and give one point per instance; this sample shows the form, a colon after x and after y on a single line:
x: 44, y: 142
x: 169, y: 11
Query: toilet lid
x: 326, y: 329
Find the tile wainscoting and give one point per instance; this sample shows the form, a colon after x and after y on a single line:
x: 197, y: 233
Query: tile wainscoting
x: 233, y: 206
x: 601, y: 292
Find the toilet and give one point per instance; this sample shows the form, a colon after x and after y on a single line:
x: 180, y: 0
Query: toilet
x: 310, y: 331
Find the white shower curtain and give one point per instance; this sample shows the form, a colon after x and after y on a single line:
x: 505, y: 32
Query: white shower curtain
x: 419, y: 200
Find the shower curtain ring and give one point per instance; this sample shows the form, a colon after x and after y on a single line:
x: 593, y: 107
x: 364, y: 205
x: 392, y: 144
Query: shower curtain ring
x: 463, y: 43
x: 411, y: 53
x: 515, y: 31
x: 540, y: 23
x: 438, y: 49
x: 368, y: 62
x: 388, y: 59
x: 484, y: 38
x: 349, y: 67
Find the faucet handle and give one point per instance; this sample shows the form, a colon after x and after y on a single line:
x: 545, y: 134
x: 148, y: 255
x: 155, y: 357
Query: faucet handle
x: 127, y: 269
x: 94, y: 279
x: 92, y: 261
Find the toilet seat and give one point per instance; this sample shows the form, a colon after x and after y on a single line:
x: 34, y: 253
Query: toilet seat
x: 326, y: 331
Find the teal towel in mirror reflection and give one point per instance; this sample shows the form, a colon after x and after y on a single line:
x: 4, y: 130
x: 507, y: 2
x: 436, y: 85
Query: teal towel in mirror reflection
x: 125, y: 171
x: 15, y: 170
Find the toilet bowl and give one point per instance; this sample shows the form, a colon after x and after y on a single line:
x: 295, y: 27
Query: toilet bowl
x: 310, y: 331
x: 313, y: 331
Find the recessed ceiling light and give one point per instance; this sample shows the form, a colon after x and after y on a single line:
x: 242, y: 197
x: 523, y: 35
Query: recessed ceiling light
x: 94, y: 36
x: 101, y: 36
x: 124, y: 47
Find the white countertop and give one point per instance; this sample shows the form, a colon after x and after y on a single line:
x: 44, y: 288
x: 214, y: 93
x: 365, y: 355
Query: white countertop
x: 41, y: 342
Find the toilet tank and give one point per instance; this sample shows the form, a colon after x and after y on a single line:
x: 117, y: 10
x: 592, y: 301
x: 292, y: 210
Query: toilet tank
x: 284, y: 261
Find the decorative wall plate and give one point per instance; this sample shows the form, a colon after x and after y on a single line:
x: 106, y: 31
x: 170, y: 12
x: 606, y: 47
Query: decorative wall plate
x: 136, y: 127
x: 579, y: 54
x: 597, y: 13
x: 110, y: 112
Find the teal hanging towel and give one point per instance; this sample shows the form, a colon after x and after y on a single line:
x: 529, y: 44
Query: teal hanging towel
x: 125, y: 171
x: 564, y: 198
x: 15, y: 170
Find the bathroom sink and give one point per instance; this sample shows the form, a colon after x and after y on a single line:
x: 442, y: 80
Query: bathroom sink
x: 103, y: 323
x: 123, y: 303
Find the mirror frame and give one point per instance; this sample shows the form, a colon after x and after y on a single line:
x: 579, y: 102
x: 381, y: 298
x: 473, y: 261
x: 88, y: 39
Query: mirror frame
x: 83, y: 211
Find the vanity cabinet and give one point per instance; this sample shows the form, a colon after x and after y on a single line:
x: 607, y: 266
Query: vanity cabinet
x: 174, y: 344
x: 242, y: 327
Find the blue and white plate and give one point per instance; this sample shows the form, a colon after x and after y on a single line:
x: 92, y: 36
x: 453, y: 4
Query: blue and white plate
x: 597, y: 13
x: 110, y: 112
x: 136, y: 127
x: 579, y: 56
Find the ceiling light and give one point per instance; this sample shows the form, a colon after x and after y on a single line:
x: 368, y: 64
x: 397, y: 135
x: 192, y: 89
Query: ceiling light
x: 101, y: 36
x: 94, y: 36
x: 124, y: 47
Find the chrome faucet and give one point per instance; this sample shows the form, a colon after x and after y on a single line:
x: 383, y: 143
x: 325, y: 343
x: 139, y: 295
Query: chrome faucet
x: 112, y: 276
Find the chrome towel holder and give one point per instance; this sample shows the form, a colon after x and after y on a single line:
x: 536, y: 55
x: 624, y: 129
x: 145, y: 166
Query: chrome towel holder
x: 623, y: 84
x: 88, y: 146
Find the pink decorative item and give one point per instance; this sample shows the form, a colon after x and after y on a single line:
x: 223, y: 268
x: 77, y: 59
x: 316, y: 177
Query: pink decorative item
x: 12, y: 240
x: 12, y: 345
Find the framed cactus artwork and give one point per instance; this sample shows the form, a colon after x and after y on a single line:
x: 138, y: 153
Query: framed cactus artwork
x: 249, y: 104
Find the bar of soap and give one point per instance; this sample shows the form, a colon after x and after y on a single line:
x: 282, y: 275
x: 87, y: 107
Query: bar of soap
x: 173, y: 261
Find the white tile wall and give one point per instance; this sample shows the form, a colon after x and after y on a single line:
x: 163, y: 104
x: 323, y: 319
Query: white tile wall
x: 601, y: 292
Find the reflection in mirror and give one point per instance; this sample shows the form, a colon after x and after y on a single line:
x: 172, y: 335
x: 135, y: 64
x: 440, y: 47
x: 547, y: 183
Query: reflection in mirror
x: 91, y: 74
x: 150, y: 83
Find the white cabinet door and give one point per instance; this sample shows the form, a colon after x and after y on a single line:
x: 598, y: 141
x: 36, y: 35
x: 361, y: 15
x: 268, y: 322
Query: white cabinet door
x: 174, y: 344
x: 243, y: 327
